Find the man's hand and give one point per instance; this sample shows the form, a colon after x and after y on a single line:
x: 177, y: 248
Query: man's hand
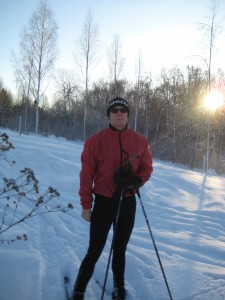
x: 86, y: 214
x: 127, y: 182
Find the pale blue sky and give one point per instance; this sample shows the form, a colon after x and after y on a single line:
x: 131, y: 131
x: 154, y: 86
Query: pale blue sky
x: 164, y: 30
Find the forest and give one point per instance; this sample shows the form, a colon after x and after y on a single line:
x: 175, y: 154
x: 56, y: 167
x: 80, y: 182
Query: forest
x: 169, y: 111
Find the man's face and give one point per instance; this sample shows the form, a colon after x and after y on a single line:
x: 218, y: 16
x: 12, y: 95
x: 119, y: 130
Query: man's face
x: 118, y: 117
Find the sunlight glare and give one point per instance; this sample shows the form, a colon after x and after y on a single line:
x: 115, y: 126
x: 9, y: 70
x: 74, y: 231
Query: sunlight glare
x: 213, y: 100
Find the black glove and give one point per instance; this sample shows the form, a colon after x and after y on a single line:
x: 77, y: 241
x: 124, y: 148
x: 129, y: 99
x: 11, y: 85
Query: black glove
x: 127, y: 182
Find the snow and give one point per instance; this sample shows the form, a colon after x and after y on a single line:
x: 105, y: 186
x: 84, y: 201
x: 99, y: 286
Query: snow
x: 185, y: 209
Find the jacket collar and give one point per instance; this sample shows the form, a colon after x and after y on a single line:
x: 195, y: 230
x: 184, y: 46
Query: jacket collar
x: 114, y: 129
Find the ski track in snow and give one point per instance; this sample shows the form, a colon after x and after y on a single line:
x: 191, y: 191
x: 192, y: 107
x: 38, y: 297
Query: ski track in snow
x: 185, y: 209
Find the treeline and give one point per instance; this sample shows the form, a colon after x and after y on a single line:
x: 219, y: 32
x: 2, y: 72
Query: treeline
x: 170, y: 113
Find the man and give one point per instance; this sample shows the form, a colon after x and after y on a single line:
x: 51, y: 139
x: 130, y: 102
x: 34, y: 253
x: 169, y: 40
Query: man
x: 115, y: 162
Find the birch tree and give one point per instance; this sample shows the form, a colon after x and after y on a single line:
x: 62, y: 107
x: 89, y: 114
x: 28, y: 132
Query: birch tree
x: 23, y: 66
x: 139, y: 75
x: 115, y: 61
x: 211, y: 29
x: 39, y: 51
x: 85, y: 56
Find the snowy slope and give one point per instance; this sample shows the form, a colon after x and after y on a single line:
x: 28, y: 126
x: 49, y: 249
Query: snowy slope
x: 185, y: 209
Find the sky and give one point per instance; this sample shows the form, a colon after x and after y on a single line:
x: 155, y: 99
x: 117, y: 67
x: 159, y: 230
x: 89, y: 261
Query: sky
x: 166, y: 32
x: 185, y: 209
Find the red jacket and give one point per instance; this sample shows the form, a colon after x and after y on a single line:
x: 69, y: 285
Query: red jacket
x: 103, y: 153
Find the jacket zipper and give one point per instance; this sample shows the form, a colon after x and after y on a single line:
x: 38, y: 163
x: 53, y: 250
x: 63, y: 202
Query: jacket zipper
x: 121, y: 149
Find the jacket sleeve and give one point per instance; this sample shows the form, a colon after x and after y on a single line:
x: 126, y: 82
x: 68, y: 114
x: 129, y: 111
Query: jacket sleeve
x: 88, y: 167
x: 145, y: 168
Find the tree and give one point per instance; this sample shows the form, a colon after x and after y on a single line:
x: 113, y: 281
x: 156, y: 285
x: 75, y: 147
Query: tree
x: 38, y: 42
x: 67, y: 93
x: 85, y: 56
x: 115, y: 61
x: 211, y: 30
x: 5, y: 107
x: 23, y: 66
x: 137, y: 100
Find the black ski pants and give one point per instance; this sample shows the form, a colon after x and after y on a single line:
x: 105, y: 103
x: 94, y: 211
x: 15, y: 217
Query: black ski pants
x: 103, y: 216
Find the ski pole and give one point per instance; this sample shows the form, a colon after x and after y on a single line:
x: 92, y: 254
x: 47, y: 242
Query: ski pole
x: 153, y: 241
x: 112, y: 244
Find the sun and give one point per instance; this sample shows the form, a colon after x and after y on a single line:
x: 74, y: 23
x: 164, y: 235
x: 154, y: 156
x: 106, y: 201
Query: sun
x: 213, y: 100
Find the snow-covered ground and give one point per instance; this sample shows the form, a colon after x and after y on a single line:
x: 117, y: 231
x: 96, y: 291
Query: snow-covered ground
x: 185, y: 209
